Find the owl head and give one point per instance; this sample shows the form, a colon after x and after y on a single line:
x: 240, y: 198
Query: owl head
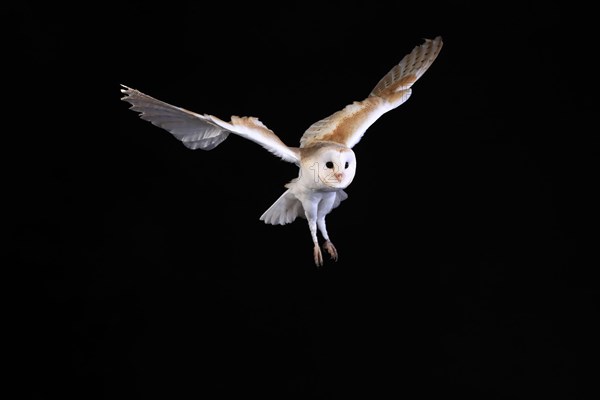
x: 330, y: 165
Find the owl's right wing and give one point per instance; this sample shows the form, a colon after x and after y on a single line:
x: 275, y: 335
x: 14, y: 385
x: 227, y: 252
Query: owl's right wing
x: 205, y: 132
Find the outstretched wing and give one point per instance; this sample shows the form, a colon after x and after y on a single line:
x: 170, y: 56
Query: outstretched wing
x: 205, y: 131
x: 347, y: 126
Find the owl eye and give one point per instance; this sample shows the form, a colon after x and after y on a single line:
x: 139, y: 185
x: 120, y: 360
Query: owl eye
x: 329, y: 164
x: 347, y: 164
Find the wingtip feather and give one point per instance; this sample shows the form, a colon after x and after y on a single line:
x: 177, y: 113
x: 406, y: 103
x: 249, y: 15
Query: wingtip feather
x: 126, y: 88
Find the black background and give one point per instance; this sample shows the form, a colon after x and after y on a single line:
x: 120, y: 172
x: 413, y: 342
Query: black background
x: 468, y: 243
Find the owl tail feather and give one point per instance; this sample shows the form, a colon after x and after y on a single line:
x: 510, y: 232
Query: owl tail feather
x: 284, y: 211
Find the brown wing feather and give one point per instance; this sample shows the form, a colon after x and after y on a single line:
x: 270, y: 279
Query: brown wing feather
x: 348, y: 125
x: 412, y: 67
x: 339, y: 127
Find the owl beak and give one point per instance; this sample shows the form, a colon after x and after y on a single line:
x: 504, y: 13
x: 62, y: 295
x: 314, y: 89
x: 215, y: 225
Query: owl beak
x: 339, y: 176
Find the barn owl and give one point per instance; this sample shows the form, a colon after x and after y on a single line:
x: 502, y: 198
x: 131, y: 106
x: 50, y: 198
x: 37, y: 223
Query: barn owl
x: 325, y: 159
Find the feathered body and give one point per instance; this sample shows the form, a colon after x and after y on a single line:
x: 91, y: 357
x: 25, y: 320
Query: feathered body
x: 326, y: 161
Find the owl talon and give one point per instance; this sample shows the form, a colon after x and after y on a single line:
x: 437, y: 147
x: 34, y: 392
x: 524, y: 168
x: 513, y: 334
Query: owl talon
x: 318, y: 256
x: 331, y: 250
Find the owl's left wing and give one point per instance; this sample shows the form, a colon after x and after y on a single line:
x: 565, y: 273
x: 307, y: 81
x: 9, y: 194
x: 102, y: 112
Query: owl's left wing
x: 348, y: 125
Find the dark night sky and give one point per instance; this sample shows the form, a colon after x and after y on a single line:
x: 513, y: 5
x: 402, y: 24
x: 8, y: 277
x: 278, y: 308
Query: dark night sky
x: 466, y: 258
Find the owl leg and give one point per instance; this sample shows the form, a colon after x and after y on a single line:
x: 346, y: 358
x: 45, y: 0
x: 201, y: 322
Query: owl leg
x: 312, y: 224
x: 311, y: 216
x: 327, y: 245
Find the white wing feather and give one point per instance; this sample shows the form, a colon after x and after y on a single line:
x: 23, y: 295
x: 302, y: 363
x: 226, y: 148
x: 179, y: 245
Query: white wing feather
x: 205, y: 132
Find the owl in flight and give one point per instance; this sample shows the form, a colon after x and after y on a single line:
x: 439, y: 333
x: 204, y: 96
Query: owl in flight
x: 326, y: 161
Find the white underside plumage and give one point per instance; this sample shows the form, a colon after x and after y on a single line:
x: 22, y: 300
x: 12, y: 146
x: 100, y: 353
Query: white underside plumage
x: 288, y: 206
